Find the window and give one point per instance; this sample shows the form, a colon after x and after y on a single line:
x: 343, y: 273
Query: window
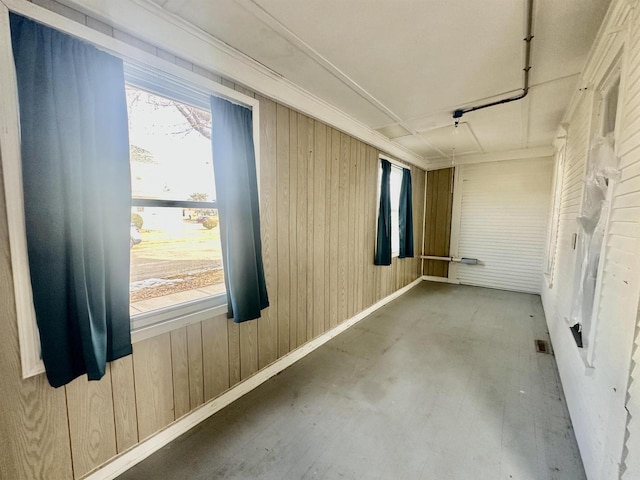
x: 395, y: 183
x: 552, y: 240
x: 151, y: 75
x: 601, y: 172
x: 176, y: 255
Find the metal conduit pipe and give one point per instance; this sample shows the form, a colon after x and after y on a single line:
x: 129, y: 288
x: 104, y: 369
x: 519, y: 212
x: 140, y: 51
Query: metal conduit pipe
x: 457, y: 114
x: 467, y: 261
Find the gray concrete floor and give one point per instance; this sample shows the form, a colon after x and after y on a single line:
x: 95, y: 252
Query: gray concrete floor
x: 442, y: 384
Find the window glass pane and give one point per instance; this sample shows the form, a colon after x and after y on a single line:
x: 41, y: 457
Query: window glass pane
x: 175, y: 252
x: 170, y: 148
x: 175, y: 257
x: 611, y: 109
x: 395, y: 185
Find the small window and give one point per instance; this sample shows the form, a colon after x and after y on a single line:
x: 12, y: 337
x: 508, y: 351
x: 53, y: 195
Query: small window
x: 176, y: 255
x: 610, y: 109
x: 395, y: 183
x: 552, y: 240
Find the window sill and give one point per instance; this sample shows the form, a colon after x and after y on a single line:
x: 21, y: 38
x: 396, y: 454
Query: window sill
x: 150, y: 319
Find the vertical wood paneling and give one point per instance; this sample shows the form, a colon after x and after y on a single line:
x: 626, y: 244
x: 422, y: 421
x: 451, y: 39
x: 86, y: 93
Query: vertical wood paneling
x: 362, y: 238
x: 282, y: 180
x: 233, y: 330
x: 91, y: 422
x: 438, y: 220
x: 311, y: 161
x: 343, y: 232
x: 268, y: 324
x: 215, y: 356
x: 154, y: 385
x: 293, y: 230
x: 352, y: 253
x: 372, y: 286
x: 327, y: 231
x: 334, y: 238
x: 180, y: 369
x: 248, y: 348
x: 196, y: 378
x: 124, y: 403
x: 319, y: 198
x: 302, y: 259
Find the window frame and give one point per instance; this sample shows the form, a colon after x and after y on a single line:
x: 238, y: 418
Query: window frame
x: 554, y: 224
x: 155, y: 66
x: 398, y: 165
x: 610, y: 79
x: 145, y: 322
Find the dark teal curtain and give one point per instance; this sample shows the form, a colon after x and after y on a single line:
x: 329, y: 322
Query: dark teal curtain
x: 77, y: 191
x: 238, y: 208
x: 405, y: 216
x: 383, y: 238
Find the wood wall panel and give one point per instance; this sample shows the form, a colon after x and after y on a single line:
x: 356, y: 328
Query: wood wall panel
x: 352, y: 253
x: 343, y: 237
x: 124, y: 403
x: 196, y: 376
x: 91, y: 422
x: 318, y: 190
x: 282, y: 183
x: 334, y: 231
x: 215, y: 356
x: 438, y: 220
x: 320, y: 148
x: 180, y: 370
x: 233, y: 330
x: 293, y: 230
x: 301, y: 230
x: 310, y: 224
x: 268, y: 324
x: 248, y: 349
x: 154, y: 384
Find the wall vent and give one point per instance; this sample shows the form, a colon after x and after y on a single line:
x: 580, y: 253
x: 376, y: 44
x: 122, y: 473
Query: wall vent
x: 542, y: 346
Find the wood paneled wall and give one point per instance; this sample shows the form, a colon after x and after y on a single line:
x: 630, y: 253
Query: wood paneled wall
x: 437, y: 232
x: 318, y: 191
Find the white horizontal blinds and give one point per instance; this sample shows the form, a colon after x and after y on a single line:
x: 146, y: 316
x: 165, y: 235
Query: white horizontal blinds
x: 504, y: 218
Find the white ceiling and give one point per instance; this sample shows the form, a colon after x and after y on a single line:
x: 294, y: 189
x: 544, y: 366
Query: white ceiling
x: 402, y: 66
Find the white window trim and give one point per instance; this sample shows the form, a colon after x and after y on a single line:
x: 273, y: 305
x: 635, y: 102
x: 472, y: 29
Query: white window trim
x: 30, y: 358
x: 615, y: 74
x: 554, y: 224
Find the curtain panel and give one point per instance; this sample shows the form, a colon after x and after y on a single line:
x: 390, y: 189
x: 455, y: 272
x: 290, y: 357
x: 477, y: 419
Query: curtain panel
x: 405, y: 216
x: 238, y: 208
x: 383, y: 237
x: 77, y: 191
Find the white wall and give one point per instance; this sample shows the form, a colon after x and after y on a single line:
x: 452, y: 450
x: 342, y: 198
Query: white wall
x: 596, y: 392
x: 500, y: 217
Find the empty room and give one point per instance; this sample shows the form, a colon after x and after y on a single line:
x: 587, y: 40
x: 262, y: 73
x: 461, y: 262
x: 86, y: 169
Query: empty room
x: 320, y: 239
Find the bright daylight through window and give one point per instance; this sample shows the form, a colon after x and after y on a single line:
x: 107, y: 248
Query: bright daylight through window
x: 175, y: 235
x: 395, y: 183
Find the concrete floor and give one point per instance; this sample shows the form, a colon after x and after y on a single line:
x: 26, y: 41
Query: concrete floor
x: 442, y: 384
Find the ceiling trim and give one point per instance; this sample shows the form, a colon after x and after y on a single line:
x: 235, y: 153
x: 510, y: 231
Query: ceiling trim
x: 151, y: 23
x: 532, y: 153
x: 277, y: 26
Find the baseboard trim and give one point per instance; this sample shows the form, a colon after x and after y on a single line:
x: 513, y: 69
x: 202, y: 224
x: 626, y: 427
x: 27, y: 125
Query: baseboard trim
x: 429, y: 278
x: 144, y: 449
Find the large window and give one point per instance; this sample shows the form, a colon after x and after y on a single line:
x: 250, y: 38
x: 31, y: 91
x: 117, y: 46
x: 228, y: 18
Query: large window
x: 175, y: 236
